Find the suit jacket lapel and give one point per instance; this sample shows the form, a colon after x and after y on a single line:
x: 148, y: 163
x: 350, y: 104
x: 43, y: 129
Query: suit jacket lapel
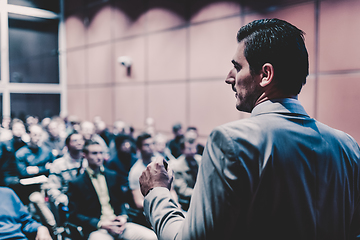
x: 88, y: 187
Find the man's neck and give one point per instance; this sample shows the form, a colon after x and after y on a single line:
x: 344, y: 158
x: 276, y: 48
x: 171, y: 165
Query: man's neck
x: 146, y: 161
x: 178, y: 137
x: 16, y: 138
x: 273, y: 94
x: 75, y: 154
x: 33, y: 145
x: 96, y: 169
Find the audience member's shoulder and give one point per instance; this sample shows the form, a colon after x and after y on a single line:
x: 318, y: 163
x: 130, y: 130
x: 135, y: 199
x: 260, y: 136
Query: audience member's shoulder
x: 6, y: 190
x: 137, y: 164
x: 6, y: 143
x: 58, y: 165
x: 110, y: 171
x: 136, y: 169
x: 176, y: 162
x: 46, y: 149
x: 78, y: 180
x: 110, y: 164
x: 22, y: 151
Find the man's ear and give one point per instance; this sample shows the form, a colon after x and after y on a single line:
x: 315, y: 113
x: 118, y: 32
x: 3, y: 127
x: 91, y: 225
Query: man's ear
x: 267, y: 74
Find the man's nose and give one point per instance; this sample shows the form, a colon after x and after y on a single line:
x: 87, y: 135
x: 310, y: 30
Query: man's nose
x: 230, y: 78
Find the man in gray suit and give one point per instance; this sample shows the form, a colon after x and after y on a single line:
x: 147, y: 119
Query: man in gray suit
x: 276, y: 175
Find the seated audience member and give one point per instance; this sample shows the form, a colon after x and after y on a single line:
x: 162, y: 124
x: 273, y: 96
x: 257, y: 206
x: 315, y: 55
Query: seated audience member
x: 174, y: 144
x: 5, y: 132
x: 161, y: 148
x: 185, y: 170
x: 31, y: 120
x: 150, y: 126
x: 88, y: 131
x: 8, y: 168
x: 72, y: 124
x: 54, y: 142
x: 145, y: 144
x: 44, y: 124
x: 120, y: 128
x: 65, y: 169
x: 96, y: 201
x: 191, y: 135
x: 103, y: 131
x: 125, y: 157
x: 15, y: 220
x: 33, y: 160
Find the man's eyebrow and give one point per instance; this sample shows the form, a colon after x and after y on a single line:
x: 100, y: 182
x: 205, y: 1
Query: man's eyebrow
x: 236, y: 64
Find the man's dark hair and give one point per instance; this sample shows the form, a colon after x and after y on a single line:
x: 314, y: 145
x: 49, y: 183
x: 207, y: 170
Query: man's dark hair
x: 120, y: 139
x: 176, y: 127
x: 182, y: 144
x: 140, y: 139
x: 192, y: 128
x: 87, y: 144
x: 281, y: 44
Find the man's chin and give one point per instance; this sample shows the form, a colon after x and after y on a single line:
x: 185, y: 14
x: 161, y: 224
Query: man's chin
x: 243, y: 108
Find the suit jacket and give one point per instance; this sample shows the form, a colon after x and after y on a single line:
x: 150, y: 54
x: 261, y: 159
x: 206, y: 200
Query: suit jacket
x: 276, y: 175
x: 84, y: 204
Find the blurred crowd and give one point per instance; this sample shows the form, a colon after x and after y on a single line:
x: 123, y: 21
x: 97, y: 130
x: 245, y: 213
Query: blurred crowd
x: 42, y: 162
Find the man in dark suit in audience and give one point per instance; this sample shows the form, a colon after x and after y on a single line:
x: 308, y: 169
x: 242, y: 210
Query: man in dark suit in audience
x: 96, y: 201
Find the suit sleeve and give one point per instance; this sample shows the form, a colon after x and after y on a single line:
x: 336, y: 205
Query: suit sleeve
x: 214, y: 206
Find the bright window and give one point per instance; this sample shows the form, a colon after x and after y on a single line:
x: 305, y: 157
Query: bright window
x: 32, y: 69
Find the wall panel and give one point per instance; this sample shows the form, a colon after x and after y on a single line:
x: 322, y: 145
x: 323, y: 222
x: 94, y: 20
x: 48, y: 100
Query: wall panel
x: 339, y: 36
x: 130, y: 104
x: 167, y: 104
x: 338, y: 104
x: 167, y: 56
x: 212, y: 46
